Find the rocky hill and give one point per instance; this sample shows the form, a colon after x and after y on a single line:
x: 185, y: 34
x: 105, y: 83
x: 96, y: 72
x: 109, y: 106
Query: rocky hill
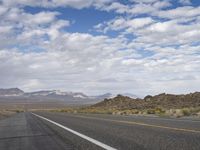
x: 163, y: 100
x: 173, y: 101
x: 119, y: 102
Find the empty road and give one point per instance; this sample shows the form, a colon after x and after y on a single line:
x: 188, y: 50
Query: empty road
x: 61, y: 131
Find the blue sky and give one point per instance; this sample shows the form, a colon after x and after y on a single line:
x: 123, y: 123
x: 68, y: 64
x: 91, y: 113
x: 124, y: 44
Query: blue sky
x: 85, y: 19
x: 98, y: 46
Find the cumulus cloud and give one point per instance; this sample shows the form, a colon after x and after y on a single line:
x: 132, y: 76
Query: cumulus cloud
x: 155, y: 50
x: 138, y: 7
x: 124, y: 23
x: 144, y: 1
x: 180, y: 12
x: 185, y: 2
x: 78, y: 4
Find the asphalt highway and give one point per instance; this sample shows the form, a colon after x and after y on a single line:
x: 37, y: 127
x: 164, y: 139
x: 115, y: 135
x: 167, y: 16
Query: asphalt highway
x: 45, y: 130
x: 26, y: 132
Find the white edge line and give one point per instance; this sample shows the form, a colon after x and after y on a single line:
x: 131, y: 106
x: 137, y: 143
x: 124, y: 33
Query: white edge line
x: 102, y: 145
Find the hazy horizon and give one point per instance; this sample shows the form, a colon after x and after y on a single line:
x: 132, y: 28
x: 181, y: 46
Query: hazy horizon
x: 96, y: 94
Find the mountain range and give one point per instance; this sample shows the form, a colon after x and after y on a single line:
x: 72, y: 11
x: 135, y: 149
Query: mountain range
x: 16, y: 95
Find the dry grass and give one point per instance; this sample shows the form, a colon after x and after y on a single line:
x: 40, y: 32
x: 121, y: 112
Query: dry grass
x: 183, y: 112
x: 157, y: 111
x: 6, y: 112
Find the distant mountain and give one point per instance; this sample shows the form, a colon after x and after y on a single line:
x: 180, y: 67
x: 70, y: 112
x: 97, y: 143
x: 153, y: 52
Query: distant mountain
x: 60, y: 96
x: 38, y: 93
x: 129, y: 95
x: 109, y: 95
x: 103, y: 96
x: 11, y: 92
x: 57, y: 94
x: 17, y: 95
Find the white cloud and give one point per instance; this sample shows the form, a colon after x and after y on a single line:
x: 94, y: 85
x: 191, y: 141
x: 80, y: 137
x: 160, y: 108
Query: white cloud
x: 3, y: 9
x: 185, y: 2
x: 138, y: 7
x: 78, y: 4
x: 144, y: 1
x: 19, y: 16
x: 169, y: 33
x: 116, y: 6
x: 25, y: 29
x: 40, y: 70
x: 163, y: 55
x: 41, y: 18
x: 5, y: 29
x: 124, y: 23
x: 180, y: 12
x: 161, y: 4
x: 140, y: 22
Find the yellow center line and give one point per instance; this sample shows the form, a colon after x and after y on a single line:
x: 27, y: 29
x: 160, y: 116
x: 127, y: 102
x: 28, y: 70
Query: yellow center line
x: 139, y: 123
